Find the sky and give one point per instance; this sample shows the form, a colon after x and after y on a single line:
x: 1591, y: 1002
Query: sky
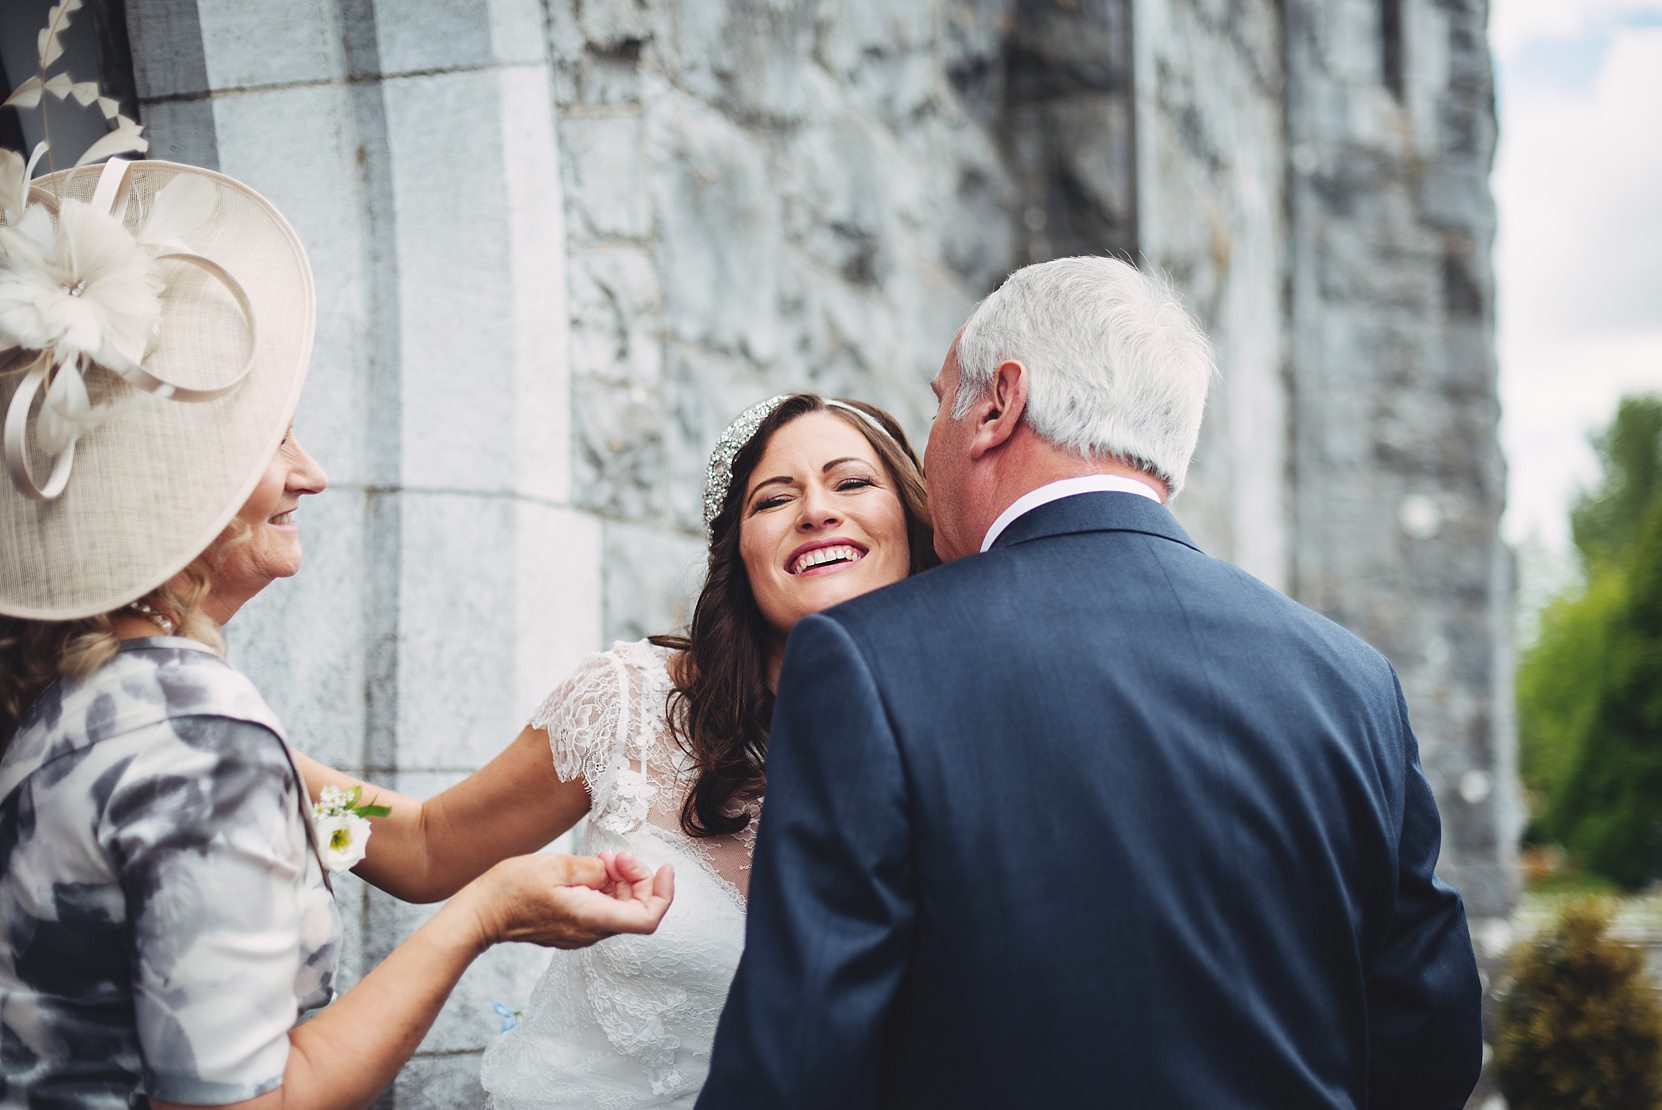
x: 1578, y: 256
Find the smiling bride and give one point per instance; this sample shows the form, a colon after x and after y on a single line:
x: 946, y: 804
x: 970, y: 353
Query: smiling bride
x: 662, y: 745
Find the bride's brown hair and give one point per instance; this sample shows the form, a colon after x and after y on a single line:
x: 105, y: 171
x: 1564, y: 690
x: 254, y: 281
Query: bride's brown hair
x: 721, y: 705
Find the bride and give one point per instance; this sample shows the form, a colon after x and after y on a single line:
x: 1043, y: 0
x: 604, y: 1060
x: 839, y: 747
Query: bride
x: 661, y: 744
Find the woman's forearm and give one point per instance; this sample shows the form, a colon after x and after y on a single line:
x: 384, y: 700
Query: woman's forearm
x: 425, y: 851
x: 397, y: 858
x: 349, y: 1052
x: 353, y: 1049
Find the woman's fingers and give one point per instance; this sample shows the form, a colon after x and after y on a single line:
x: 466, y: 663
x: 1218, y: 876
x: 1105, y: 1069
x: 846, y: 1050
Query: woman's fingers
x: 590, y: 871
x: 573, y: 901
x: 638, y: 908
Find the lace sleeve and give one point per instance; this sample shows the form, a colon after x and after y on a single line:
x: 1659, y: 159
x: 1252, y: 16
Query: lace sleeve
x: 592, y: 736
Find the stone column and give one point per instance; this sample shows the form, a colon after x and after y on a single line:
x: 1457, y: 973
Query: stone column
x: 449, y: 581
x: 1397, y: 467
x: 1211, y: 215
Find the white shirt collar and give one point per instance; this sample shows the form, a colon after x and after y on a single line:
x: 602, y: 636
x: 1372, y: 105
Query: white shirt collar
x: 1067, y: 487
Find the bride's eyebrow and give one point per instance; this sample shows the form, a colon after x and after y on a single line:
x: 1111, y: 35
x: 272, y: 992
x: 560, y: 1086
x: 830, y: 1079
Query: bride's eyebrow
x: 781, y: 480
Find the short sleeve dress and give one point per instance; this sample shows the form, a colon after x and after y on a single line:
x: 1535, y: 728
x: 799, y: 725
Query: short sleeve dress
x: 628, y: 1023
x: 164, y: 919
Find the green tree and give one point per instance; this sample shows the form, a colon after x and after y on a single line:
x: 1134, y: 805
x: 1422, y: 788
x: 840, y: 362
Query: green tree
x: 1606, y: 521
x: 1590, y: 688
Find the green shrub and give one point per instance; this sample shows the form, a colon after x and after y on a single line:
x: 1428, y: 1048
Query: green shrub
x: 1580, y: 1026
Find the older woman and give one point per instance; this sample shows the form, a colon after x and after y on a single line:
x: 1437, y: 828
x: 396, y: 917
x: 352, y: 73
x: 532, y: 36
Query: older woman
x: 662, y: 745
x: 165, y: 915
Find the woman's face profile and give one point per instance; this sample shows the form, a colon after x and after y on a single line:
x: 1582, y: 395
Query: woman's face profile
x: 272, y: 549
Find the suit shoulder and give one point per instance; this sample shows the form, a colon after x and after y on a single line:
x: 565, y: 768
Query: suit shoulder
x: 1344, y: 644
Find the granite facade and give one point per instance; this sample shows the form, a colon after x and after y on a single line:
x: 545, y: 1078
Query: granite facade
x: 559, y: 243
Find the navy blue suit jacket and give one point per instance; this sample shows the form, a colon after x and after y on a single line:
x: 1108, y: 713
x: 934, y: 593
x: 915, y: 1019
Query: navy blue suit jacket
x: 1093, y: 819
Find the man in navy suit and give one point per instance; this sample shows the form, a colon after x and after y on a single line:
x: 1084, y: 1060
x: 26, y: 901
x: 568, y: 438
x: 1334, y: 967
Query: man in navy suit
x: 1085, y: 817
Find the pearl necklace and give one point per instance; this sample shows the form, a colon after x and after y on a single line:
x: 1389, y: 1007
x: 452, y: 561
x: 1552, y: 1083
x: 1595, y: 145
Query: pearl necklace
x: 163, y: 622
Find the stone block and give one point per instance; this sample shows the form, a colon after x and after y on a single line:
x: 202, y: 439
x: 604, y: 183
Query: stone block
x: 745, y: 57
x: 882, y: 346
x: 970, y: 49
x: 973, y: 234
x: 422, y: 36
x: 1057, y: 51
x: 483, y: 589
x: 558, y: 598
x: 300, y: 148
x: 605, y: 178
x: 596, y: 50
x: 861, y: 33
x: 607, y: 25
x: 1342, y: 38
x: 1455, y: 194
x: 481, y: 289
x: 169, y: 59
x: 653, y: 575
x: 182, y: 131
x: 250, y: 46
x: 619, y: 467
x: 720, y: 290
x: 882, y: 57
x: 537, y: 287
x: 845, y: 204
x: 616, y: 310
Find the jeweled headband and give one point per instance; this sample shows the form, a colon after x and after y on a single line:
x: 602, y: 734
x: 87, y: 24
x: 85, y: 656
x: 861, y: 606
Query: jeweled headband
x: 719, y: 477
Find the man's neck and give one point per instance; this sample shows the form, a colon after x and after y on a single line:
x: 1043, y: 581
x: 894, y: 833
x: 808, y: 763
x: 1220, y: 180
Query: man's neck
x: 1024, y: 464
x: 1033, y: 463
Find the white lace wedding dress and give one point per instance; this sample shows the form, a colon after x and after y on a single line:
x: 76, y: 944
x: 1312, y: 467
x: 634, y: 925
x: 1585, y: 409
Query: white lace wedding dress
x: 629, y: 1022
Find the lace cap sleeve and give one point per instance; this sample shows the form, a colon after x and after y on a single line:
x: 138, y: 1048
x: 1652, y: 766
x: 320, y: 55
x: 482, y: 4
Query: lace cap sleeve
x: 598, y: 728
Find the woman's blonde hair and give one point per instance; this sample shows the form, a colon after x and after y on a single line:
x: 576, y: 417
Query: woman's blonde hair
x: 35, y: 654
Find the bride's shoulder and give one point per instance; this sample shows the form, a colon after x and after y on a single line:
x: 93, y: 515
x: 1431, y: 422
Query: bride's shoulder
x: 643, y: 658
x: 601, y: 681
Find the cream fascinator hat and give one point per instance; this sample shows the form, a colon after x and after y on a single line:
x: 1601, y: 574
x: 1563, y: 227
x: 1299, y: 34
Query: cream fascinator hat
x: 155, y: 328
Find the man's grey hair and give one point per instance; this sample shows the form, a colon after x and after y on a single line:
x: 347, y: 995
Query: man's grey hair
x: 1116, y: 365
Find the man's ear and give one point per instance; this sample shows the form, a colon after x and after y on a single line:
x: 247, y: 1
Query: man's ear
x: 999, y: 413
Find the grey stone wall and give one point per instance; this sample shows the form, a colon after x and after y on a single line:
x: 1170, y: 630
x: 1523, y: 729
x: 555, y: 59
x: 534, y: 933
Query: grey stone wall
x: 1397, y: 473
x: 559, y: 243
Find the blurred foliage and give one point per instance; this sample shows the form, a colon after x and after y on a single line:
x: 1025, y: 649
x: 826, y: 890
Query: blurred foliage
x: 1590, y: 687
x: 1579, y: 1024
x: 1606, y: 522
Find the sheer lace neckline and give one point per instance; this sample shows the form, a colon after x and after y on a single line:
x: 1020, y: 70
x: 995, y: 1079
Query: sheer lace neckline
x: 610, y: 722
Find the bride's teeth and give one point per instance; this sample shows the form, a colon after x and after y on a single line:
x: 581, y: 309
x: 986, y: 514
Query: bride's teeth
x: 821, y: 556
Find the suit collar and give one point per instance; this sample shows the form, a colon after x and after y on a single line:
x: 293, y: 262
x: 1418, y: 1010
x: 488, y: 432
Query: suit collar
x: 1095, y: 512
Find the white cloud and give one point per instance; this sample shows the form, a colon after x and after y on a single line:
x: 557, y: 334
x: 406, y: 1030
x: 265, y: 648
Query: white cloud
x: 1565, y: 393
x: 1514, y: 24
x: 1579, y: 252
x: 1577, y: 181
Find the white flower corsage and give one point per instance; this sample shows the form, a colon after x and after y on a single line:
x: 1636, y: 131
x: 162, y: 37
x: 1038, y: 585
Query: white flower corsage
x: 343, y: 826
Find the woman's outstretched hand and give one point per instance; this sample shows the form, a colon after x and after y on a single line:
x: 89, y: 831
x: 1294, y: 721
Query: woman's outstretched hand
x: 569, y: 901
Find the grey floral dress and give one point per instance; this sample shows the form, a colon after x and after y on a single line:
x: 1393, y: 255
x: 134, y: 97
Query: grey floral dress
x: 164, y: 919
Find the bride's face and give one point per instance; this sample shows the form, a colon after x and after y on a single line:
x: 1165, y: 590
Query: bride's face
x: 821, y: 521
